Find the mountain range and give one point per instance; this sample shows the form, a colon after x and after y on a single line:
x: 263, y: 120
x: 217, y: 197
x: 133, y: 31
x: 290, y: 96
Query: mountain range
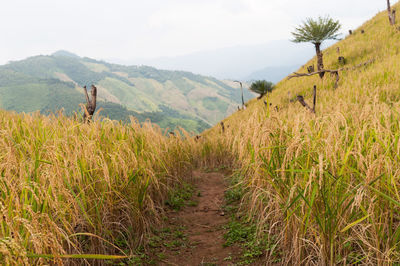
x: 169, y: 98
x: 270, y: 61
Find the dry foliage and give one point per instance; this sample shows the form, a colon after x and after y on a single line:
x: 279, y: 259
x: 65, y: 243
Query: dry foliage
x: 326, y: 187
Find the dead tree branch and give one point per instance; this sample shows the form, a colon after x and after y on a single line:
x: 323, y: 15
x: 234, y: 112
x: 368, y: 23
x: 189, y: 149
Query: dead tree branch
x: 300, y: 98
x: 332, y: 71
x: 296, y: 75
x: 90, y: 107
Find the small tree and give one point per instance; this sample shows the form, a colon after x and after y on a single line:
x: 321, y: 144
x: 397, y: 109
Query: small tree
x: 261, y: 87
x: 317, y: 31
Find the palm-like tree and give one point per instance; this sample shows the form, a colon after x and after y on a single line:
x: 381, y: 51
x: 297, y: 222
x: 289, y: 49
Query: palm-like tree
x: 317, y: 31
x: 261, y: 87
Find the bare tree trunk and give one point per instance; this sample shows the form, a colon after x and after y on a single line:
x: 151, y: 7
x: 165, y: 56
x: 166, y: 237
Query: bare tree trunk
x: 320, y: 64
x: 241, y: 89
x: 391, y: 14
x: 261, y: 95
x: 90, y: 103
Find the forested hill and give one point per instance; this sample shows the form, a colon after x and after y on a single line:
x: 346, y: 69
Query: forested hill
x: 168, y: 98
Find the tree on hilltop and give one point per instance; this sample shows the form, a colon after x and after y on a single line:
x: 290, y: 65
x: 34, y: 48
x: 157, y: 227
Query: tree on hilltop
x: 317, y: 31
x: 261, y: 87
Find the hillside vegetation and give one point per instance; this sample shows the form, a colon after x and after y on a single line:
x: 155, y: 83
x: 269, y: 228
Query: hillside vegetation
x: 168, y: 98
x: 73, y: 188
x: 323, y: 188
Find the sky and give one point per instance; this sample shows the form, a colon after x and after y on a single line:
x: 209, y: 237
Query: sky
x: 127, y: 29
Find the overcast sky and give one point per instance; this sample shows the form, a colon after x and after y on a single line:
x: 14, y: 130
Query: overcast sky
x: 128, y: 29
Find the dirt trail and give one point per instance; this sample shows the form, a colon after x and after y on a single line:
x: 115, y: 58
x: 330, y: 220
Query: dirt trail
x: 203, y: 226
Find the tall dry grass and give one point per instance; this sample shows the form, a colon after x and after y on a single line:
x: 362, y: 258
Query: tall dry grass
x: 72, y: 188
x: 325, y: 188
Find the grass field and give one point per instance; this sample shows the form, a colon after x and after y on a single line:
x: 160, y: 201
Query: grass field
x: 326, y: 186
x: 73, y: 188
x: 323, y: 188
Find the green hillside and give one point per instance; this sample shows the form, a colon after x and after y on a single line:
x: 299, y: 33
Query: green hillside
x: 168, y: 98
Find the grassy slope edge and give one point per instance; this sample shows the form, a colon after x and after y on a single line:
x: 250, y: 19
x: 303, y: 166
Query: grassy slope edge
x: 327, y: 185
x: 323, y: 188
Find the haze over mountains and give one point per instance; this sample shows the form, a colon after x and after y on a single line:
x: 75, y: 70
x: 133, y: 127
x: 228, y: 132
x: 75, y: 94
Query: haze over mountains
x: 271, y: 61
x: 168, y: 98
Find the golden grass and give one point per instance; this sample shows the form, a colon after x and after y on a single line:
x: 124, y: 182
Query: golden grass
x: 73, y: 188
x: 325, y: 187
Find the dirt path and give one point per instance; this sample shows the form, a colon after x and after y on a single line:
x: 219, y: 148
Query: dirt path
x: 202, y: 227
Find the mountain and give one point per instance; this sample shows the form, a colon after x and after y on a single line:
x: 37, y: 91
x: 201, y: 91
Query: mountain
x: 168, y: 98
x: 236, y: 62
x: 273, y: 74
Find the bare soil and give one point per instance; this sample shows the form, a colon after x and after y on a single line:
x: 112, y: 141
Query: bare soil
x: 202, y: 227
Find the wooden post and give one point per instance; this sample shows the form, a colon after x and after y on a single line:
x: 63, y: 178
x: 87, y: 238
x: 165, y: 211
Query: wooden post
x: 90, y: 103
x: 336, y: 73
x: 222, y: 127
x: 391, y: 14
x: 394, y: 16
x: 315, y: 98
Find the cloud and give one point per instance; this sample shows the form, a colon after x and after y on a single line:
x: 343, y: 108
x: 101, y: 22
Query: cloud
x: 210, y: 24
x: 136, y: 28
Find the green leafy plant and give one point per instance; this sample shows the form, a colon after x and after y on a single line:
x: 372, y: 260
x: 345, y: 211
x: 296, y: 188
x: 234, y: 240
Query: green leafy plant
x: 316, y: 32
x: 261, y: 87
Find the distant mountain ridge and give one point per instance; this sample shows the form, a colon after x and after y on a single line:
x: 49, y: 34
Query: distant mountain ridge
x: 274, y: 74
x: 169, y: 98
x: 237, y: 62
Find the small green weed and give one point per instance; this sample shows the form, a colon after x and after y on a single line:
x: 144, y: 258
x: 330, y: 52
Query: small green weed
x: 242, y: 231
x: 180, y: 197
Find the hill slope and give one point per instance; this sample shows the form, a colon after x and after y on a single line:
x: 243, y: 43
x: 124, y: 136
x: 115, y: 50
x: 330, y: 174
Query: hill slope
x: 325, y: 187
x: 170, y: 97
